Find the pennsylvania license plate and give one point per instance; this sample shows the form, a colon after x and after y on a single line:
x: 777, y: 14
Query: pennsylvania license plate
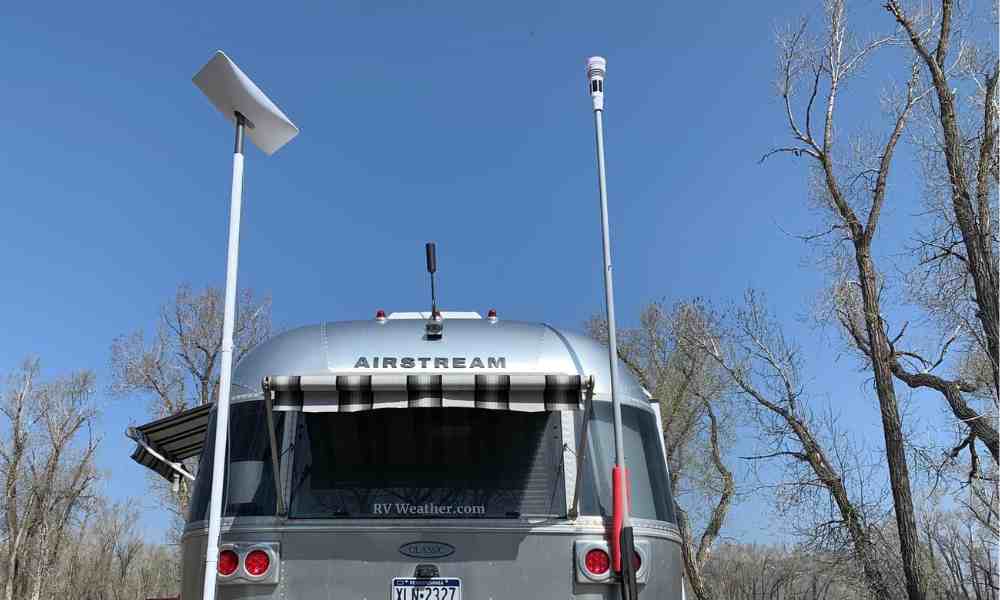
x: 436, y: 588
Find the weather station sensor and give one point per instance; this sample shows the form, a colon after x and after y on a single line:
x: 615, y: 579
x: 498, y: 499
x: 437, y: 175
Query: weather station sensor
x: 597, y: 66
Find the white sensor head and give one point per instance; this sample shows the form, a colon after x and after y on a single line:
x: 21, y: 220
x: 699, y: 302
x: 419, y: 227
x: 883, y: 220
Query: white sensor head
x: 597, y: 66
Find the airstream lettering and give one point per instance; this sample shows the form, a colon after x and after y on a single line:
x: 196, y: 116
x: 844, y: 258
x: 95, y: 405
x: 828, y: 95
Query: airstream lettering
x: 491, y: 481
x: 438, y: 362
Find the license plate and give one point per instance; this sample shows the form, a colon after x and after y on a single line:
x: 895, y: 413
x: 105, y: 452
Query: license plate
x: 436, y: 588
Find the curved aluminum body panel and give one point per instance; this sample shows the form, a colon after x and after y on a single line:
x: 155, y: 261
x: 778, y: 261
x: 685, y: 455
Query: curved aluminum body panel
x: 524, y: 348
x: 322, y: 560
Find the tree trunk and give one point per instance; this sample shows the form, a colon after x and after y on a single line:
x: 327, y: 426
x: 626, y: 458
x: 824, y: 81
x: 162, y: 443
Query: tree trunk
x: 892, y: 427
x: 864, y: 549
x: 698, y: 585
x: 13, y: 566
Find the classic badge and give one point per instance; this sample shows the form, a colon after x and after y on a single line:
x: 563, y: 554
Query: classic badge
x: 426, y: 549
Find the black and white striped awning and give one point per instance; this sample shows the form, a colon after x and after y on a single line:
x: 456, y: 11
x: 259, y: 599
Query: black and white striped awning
x: 352, y: 392
x: 164, y: 443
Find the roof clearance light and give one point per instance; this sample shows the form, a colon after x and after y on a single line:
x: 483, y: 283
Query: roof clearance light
x: 491, y: 316
x: 257, y: 563
x: 598, y: 562
x: 380, y: 315
x: 228, y: 562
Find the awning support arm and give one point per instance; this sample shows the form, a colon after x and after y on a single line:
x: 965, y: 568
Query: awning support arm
x: 138, y: 438
x: 581, y: 449
x: 273, y: 441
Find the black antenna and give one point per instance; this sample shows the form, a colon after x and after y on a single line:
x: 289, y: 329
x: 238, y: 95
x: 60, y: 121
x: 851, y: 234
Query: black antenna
x: 432, y: 268
x: 434, y: 328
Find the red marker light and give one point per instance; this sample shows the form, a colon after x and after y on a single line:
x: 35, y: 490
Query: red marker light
x: 380, y: 315
x: 597, y: 561
x: 228, y: 562
x: 257, y: 563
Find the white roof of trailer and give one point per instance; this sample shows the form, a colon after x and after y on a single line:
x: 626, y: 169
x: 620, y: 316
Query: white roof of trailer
x: 456, y: 314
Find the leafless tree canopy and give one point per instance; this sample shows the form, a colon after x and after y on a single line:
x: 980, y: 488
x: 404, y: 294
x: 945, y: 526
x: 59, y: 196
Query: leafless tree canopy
x: 697, y: 423
x: 852, y: 189
x: 108, y: 559
x: 751, y: 347
x: 179, y: 368
x: 751, y: 572
x: 960, y: 566
x: 59, y: 539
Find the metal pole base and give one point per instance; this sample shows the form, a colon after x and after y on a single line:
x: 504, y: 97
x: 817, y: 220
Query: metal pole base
x: 629, y: 586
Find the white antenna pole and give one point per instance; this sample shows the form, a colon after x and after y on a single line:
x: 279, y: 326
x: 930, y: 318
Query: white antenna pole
x: 622, y: 559
x: 243, y: 103
x: 596, y: 68
x: 225, y: 369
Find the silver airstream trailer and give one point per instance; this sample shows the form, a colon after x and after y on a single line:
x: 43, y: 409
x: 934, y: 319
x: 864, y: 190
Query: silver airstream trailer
x: 373, y: 460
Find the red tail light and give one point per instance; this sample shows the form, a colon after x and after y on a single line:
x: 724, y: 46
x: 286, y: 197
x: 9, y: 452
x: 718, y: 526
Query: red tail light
x: 637, y: 561
x: 597, y: 561
x: 228, y: 562
x: 257, y: 563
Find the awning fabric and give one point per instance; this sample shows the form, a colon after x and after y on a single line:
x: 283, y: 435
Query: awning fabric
x: 174, y: 438
x: 351, y: 393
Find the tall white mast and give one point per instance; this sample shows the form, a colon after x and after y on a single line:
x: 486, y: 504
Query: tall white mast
x: 621, y: 542
x: 242, y: 102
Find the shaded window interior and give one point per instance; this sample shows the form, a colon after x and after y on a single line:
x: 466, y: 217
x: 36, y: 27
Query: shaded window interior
x: 249, y: 486
x: 651, y: 497
x: 427, y: 463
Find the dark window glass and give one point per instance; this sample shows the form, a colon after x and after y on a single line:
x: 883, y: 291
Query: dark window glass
x: 651, y: 498
x: 249, y: 486
x: 427, y: 463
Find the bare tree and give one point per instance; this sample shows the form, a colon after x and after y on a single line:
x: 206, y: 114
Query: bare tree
x: 752, y: 572
x: 48, y: 473
x: 958, y: 254
x: 852, y: 187
x: 961, y: 557
x: 179, y: 368
x: 107, y: 559
x: 968, y: 150
x: 765, y: 366
x: 690, y: 390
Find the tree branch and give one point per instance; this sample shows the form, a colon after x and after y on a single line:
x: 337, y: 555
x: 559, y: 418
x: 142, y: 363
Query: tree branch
x: 792, y: 150
x: 878, y: 196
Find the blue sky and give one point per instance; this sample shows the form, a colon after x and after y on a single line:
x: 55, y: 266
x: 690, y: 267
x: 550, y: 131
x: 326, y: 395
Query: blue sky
x: 464, y: 123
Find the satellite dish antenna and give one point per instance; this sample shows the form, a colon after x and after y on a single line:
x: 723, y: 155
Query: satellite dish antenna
x: 233, y: 93
x: 242, y: 103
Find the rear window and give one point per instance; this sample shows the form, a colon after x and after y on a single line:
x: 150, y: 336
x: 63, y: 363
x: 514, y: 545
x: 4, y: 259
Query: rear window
x: 248, y: 488
x: 427, y: 463
x: 650, y: 486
